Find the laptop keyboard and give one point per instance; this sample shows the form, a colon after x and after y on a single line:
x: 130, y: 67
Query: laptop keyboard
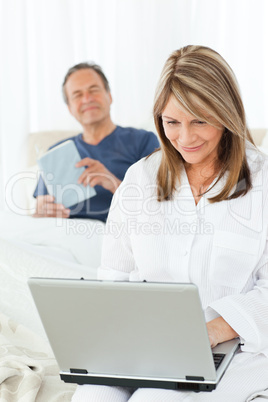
x: 218, y: 358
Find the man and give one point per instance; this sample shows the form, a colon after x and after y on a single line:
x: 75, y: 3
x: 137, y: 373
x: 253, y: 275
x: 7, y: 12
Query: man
x: 106, y: 150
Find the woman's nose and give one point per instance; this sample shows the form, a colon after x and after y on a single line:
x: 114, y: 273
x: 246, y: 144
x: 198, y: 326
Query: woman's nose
x: 184, y: 135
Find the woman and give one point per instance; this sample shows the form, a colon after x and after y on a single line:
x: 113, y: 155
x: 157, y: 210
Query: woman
x: 197, y: 211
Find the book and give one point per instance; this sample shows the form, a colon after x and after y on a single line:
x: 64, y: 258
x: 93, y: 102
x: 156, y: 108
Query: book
x: 60, y: 174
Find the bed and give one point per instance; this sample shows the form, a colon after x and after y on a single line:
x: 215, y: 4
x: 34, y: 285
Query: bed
x: 47, y: 247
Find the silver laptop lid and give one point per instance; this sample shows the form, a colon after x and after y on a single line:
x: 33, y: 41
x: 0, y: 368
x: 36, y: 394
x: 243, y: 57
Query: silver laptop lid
x: 125, y: 328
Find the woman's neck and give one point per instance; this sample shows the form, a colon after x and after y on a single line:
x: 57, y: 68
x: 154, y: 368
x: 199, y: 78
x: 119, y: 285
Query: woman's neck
x: 200, y: 178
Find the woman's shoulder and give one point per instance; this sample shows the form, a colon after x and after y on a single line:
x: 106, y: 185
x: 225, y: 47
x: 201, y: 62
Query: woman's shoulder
x: 145, y: 169
x: 257, y: 160
x: 258, y: 165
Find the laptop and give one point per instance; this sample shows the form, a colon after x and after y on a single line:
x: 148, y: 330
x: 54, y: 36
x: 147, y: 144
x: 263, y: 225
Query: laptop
x: 134, y: 334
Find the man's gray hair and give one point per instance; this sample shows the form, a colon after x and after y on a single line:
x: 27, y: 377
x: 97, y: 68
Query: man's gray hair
x: 83, y: 66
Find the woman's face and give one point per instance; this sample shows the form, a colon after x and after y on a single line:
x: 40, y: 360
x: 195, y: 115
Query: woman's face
x: 196, y: 141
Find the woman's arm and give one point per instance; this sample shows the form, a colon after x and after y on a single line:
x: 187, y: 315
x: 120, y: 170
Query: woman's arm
x: 219, y: 331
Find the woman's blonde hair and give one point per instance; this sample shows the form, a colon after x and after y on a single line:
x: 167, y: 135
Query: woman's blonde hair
x: 205, y: 85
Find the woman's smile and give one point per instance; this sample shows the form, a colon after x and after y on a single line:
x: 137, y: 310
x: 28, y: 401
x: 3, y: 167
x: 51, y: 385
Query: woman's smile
x: 191, y: 149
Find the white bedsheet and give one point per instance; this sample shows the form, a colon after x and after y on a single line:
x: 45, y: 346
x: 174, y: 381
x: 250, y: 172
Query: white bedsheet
x: 47, y: 248
x: 74, y: 240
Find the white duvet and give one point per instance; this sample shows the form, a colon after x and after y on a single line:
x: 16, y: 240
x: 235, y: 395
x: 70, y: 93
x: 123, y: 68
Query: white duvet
x: 47, y: 247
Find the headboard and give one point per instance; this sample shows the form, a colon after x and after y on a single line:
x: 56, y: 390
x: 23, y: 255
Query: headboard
x: 39, y: 142
x: 258, y: 135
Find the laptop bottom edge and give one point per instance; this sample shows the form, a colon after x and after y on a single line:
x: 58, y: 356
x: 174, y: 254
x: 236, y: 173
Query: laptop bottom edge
x: 137, y: 383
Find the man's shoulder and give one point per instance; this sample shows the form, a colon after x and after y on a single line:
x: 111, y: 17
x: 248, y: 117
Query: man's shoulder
x: 143, y: 141
x: 133, y: 131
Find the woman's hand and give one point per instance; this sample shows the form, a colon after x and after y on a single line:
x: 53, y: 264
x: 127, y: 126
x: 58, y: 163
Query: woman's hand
x: 219, y: 331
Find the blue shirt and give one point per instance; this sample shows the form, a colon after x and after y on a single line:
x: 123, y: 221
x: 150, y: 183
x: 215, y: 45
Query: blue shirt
x: 118, y: 151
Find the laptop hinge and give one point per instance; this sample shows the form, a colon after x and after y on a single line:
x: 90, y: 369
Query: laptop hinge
x: 194, y: 378
x: 78, y: 371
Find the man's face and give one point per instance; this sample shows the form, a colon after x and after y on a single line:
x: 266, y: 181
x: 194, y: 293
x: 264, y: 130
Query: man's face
x: 88, y: 100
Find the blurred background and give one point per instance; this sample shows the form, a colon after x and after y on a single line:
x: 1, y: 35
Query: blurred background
x: 130, y: 39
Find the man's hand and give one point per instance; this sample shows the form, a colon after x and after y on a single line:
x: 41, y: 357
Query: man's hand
x: 219, y: 331
x: 46, y: 207
x: 97, y: 174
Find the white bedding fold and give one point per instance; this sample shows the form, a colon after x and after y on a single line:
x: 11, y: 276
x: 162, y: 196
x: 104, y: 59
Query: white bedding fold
x: 28, y: 370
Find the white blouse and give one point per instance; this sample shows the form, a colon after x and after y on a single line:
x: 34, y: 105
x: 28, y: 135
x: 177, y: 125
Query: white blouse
x: 221, y: 247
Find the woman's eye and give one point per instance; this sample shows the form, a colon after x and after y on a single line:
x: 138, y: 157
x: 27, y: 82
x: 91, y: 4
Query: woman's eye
x: 200, y: 122
x: 171, y: 123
